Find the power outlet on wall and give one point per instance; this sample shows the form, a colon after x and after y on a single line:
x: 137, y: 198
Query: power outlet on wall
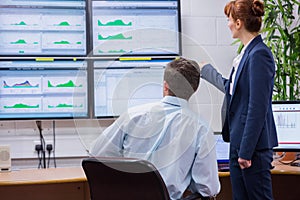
x: 38, y: 142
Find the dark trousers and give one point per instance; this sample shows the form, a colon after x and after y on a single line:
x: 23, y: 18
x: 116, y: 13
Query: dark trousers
x: 253, y: 183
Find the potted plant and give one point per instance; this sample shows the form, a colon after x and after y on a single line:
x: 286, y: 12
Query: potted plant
x: 281, y: 31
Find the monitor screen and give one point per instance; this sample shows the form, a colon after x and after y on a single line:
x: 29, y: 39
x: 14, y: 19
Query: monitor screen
x: 119, y: 85
x: 43, y: 28
x: 222, y: 152
x: 40, y: 90
x: 287, y: 120
x: 140, y: 27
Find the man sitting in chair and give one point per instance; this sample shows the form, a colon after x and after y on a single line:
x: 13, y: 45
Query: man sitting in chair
x: 169, y: 135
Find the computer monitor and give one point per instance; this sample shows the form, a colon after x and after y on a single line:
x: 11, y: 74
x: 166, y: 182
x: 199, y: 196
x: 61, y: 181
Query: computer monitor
x: 287, y: 120
x: 43, y: 90
x: 140, y: 27
x: 222, y: 151
x: 43, y: 28
x: 119, y: 85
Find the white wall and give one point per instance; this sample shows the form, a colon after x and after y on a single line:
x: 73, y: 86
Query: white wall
x: 205, y: 38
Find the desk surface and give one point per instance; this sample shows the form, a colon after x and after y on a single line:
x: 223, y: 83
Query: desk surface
x: 76, y: 174
x: 34, y: 183
x: 42, y: 176
x: 279, y: 168
x: 285, y: 180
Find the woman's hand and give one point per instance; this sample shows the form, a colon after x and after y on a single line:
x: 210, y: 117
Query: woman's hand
x: 244, y: 163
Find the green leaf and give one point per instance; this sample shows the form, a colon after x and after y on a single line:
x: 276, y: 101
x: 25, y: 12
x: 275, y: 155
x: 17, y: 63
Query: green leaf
x: 281, y: 30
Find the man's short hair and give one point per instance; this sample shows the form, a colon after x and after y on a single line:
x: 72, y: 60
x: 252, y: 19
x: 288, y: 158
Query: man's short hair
x: 183, y: 77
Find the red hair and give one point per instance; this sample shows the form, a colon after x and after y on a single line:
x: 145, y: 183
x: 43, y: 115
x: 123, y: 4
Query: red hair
x: 248, y: 11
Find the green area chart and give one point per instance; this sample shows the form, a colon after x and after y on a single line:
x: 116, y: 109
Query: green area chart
x: 69, y: 84
x: 22, y: 23
x: 63, y: 105
x: 22, y: 41
x: 117, y: 22
x: 65, y: 23
x: 21, y: 106
x: 119, y: 36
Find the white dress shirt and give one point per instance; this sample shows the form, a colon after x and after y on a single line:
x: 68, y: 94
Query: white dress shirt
x: 172, y: 137
x: 235, y: 65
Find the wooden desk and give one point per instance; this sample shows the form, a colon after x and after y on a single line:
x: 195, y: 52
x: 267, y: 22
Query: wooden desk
x: 44, y: 184
x: 71, y: 184
x: 285, y: 181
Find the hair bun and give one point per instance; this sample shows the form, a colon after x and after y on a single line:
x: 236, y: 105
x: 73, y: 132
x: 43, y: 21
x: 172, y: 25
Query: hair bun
x: 258, y: 8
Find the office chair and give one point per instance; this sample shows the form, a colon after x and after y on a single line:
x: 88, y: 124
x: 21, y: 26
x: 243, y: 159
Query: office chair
x: 125, y: 178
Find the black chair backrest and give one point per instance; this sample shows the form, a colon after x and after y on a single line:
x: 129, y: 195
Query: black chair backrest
x: 123, y: 178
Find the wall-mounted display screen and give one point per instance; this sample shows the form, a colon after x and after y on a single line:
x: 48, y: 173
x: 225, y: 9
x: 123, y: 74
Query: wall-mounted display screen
x: 119, y: 85
x: 34, y: 90
x: 287, y: 120
x: 84, y: 58
x: 142, y: 27
x: 43, y: 28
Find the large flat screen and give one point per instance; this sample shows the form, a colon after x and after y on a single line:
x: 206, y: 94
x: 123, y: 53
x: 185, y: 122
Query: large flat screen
x: 140, y: 27
x: 43, y: 28
x: 43, y: 90
x: 119, y: 85
x: 287, y: 119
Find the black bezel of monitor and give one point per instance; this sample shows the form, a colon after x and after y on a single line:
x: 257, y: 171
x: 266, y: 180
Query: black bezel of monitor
x: 65, y: 52
x: 287, y: 147
x: 128, y: 54
x: 82, y: 66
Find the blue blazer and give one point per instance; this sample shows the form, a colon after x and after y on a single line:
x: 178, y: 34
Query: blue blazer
x: 249, y: 123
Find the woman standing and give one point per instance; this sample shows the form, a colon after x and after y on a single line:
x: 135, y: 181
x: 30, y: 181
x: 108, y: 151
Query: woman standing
x: 249, y: 124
